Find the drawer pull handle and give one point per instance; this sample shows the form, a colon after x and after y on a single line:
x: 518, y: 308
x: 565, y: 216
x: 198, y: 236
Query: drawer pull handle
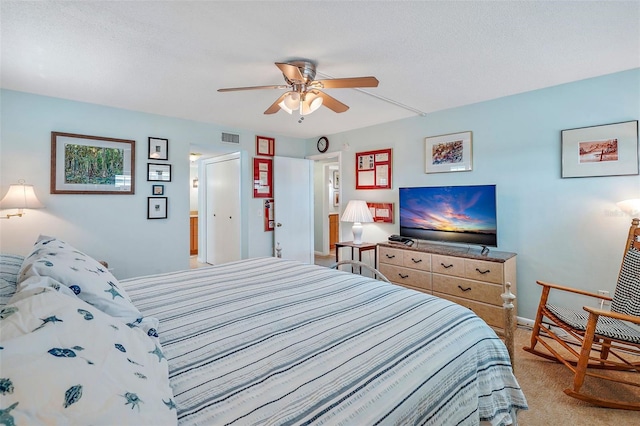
x: 446, y: 266
x: 403, y: 276
x: 483, y: 272
x: 464, y: 289
x: 390, y: 256
x: 416, y: 261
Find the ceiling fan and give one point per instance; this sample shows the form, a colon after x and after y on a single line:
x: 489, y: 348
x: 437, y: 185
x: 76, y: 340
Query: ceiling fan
x: 303, y: 92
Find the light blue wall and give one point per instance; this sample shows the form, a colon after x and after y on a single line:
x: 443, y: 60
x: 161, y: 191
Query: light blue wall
x: 564, y: 230
x: 115, y: 227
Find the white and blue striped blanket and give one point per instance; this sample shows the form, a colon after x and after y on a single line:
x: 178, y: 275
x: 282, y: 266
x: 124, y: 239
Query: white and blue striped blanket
x: 271, y: 341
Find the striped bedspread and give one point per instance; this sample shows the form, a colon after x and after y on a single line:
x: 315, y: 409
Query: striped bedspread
x: 271, y: 341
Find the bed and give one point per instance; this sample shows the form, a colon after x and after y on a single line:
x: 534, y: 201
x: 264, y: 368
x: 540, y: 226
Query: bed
x: 259, y: 341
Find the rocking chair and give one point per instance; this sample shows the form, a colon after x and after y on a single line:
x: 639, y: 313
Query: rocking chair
x: 608, y: 334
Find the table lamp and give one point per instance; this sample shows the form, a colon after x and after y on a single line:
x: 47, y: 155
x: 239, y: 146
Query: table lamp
x: 357, y: 212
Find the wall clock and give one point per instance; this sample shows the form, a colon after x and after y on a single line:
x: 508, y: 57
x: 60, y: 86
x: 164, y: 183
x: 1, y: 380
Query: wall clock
x: 323, y: 144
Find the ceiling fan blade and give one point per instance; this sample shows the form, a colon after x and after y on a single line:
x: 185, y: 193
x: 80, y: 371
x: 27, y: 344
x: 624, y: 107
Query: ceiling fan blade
x: 235, y: 89
x: 274, y: 106
x: 345, y: 83
x: 331, y: 102
x: 291, y: 72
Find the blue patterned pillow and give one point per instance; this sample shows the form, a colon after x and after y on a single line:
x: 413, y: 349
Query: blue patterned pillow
x: 85, y: 276
x: 9, y: 268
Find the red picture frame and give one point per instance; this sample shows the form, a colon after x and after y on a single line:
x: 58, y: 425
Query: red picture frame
x: 373, y: 169
x: 381, y: 212
x: 262, y: 178
x: 269, y: 219
x: 265, y: 146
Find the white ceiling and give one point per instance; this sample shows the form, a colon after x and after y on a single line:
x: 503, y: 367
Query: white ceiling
x: 170, y: 57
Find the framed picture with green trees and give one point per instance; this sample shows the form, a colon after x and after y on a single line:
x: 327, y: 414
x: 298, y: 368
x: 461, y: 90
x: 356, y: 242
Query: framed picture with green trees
x: 82, y: 164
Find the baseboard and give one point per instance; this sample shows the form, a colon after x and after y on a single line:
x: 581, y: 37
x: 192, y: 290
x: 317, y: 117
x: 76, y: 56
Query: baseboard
x: 525, y: 322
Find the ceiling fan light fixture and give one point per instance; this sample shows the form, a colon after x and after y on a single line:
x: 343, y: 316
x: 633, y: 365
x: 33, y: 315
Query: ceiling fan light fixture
x: 311, y: 102
x: 292, y: 100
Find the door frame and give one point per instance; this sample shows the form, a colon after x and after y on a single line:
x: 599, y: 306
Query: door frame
x: 337, y: 156
x: 202, y: 202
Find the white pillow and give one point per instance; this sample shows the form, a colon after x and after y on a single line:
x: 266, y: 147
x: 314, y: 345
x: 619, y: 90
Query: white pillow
x: 65, y: 362
x: 86, y: 277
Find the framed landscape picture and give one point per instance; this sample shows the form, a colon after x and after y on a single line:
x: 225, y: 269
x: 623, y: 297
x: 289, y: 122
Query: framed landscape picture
x: 82, y: 164
x: 605, y: 150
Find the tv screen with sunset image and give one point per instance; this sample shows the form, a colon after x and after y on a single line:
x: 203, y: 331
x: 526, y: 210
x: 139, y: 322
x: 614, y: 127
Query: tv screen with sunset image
x: 455, y: 214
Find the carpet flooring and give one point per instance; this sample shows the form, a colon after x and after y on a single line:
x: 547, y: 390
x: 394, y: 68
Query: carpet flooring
x: 543, y: 383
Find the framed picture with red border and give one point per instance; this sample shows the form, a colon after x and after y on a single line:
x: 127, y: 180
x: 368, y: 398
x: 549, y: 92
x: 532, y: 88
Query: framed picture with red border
x: 265, y: 146
x: 373, y: 169
x: 262, y: 178
x: 381, y: 212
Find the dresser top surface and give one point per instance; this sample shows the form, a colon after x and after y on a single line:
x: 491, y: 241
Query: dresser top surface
x: 465, y: 252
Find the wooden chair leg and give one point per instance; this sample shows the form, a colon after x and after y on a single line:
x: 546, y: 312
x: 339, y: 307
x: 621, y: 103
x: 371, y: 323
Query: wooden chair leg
x: 536, y: 326
x: 581, y: 368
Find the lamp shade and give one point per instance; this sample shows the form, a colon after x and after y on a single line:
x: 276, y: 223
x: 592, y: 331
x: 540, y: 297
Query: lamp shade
x: 357, y: 211
x: 20, y: 196
x: 631, y: 206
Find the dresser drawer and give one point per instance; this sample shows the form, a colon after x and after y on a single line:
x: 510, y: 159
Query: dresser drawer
x: 491, y: 314
x: 391, y: 256
x: 448, y: 265
x: 407, y: 276
x: 483, y: 271
x: 468, y: 289
x: 417, y: 260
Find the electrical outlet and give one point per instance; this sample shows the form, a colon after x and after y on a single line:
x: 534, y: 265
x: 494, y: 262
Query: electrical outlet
x: 604, y: 302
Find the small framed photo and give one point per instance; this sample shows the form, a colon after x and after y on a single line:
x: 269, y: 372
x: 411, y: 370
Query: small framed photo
x: 336, y: 199
x: 158, y: 149
x: 448, y: 153
x: 159, y: 172
x: 157, y: 207
x: 265, y: 146
x: 605, y: 150
x: 157, y: 190
x: 336, y: 179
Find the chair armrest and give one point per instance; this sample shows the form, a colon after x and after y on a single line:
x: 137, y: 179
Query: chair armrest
x: 615, y: 315
x: 574, y: 290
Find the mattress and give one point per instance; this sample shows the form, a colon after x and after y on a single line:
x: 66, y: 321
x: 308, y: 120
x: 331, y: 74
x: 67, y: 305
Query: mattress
x: 273, y: 341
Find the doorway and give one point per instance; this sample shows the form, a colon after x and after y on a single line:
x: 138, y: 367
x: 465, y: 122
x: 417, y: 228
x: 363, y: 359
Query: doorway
x: 327, y: 205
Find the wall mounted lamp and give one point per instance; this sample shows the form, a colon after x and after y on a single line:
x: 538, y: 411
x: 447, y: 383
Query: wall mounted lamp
x: 357, y: 212
x: 630, y: 206
x: 20, y: 196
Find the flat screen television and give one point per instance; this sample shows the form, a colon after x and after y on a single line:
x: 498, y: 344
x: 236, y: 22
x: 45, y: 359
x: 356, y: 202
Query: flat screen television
x: 455, y: 214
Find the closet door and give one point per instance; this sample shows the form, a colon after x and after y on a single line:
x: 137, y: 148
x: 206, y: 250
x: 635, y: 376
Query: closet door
x: 223, y: 211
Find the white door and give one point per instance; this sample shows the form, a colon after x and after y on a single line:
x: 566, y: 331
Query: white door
x: 293, y: 210
x: 223, y: 220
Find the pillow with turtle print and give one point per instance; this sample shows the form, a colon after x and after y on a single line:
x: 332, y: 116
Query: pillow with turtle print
x: 86, y: 277
x: 66, y: 362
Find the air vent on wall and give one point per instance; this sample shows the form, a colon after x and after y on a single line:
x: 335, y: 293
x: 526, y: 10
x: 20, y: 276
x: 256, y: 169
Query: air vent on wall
x: 230, y: 138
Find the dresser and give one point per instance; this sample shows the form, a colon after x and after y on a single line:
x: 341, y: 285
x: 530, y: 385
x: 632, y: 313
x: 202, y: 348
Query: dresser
x: 462, y: 275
